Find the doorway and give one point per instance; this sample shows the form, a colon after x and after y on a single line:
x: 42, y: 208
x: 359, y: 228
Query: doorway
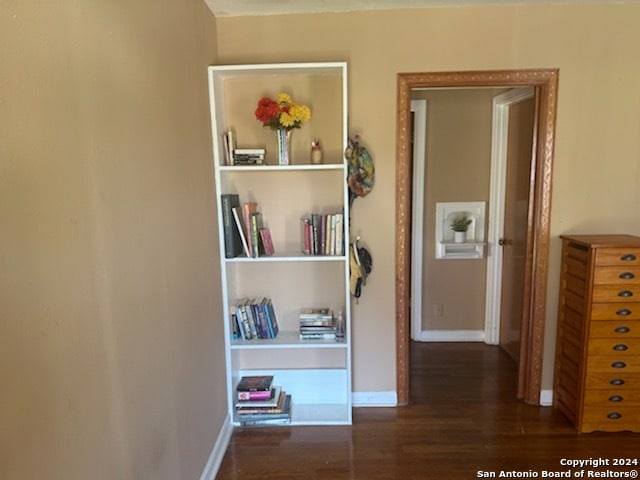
x: 545, y: 84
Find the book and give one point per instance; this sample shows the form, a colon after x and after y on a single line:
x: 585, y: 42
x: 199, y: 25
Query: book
x: 314, y: 313
x: 229, y: 140
x: 339, y: 234
x: 318, y: 336
x: 232, y: 242
x: 257, y: 395
x: 250, y: 151
x: 260, y: 318
x: 255, y: 221
x: 225, y: 143
x: 247, y: 209
x: 237, y: 216
x: 265, y: 422
x: 251, y: 319
x: 305, y: 232
x: 244, y: 320
x: 267, y: 242
x: 261, y: 405
x: 271, y: 316
x: 254, y: 383
x: 236, y: 330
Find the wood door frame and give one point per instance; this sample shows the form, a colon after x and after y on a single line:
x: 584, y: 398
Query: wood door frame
x: 545, y: 81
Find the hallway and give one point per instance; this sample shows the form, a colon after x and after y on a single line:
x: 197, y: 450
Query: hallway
x: 463, y: 421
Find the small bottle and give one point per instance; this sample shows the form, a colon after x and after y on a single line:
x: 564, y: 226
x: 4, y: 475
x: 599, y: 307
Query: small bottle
x: 339, y: 327
x: 316, y: 152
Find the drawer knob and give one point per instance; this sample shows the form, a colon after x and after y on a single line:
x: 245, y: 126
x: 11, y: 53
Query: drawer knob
x: 618, y: 365
x: 614, y: 416
x: 622, y: 329
x: 626, y: 276
x: 615, y: 398
x: 628, y: 257
x: 623, y: 312
x: 617, y: 381
x: 620, y: 347
x: 625, y: 293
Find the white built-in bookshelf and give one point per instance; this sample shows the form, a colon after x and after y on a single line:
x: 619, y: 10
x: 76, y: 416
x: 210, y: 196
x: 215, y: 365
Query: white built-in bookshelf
x: 317, y: 373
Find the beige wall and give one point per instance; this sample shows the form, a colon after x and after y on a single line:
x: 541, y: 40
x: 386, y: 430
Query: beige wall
x: 596, y: 174
x: 111, y: 355
x: 457, y: 169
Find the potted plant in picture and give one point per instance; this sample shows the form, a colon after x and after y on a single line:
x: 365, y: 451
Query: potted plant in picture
x: 460, y: 225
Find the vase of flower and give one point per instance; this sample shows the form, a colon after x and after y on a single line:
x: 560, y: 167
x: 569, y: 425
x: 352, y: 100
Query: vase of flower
x: 284, y: 146
x: 282, y: 115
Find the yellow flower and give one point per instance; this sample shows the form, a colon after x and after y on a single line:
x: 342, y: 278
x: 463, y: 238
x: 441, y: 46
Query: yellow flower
x: 300, y: 113
x: 287, y: 120
x: 283, y: 98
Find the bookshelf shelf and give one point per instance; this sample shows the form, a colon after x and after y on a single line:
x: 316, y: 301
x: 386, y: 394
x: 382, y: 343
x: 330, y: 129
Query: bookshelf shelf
x: 281, y: 168
x: 294, y: 257
x: 316, y: 373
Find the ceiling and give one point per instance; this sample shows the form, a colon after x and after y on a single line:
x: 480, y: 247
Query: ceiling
x: 239, y: 8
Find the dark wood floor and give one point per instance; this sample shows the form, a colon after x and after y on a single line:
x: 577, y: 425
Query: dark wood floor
x: 463, y: 420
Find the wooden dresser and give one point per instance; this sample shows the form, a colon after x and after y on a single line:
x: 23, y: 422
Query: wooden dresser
x: 597, y: 370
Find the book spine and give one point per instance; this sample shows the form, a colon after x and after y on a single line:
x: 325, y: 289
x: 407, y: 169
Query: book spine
x: 305, y: 232
x: 237, y: 216
x: 267, y: 242
x: 339, y: 234
x: 246, y: 326
x: 255, y: 395
x: 232, y: 246
x: 271, y: 314
x: 251, y: 319
x: 315, y: 239
x: 261, y: 324
x: 255, y: 236
x: 247, y: 209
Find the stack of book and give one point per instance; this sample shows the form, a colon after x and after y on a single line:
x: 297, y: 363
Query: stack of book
x: 323, y: 234
x: 248, y: 156
x: 254, y: 318
x: 317, y: 324
x: 259, y: 402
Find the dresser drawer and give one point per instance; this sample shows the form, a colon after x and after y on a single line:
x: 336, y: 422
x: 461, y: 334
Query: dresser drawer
x: 618, y: 256
x: 619, y: 348
x: 615, y: 311
x: 620, y: 381
x: 615, y: 329
x: 612, y: 397
x: 616, y: 293
x: 613, y: 364
x: 616, y: 275
x: 610, y: 418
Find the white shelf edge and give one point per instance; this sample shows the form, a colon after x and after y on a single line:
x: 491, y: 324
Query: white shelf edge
x: 281, y: 168
x: 305, y: 68
x: 288, y: 258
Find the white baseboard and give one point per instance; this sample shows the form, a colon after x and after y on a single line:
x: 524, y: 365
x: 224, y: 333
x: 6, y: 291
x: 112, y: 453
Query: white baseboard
x: 451, y: 336
x: 374, y: 399
x: 546, y: 398
x: 215, y: 457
